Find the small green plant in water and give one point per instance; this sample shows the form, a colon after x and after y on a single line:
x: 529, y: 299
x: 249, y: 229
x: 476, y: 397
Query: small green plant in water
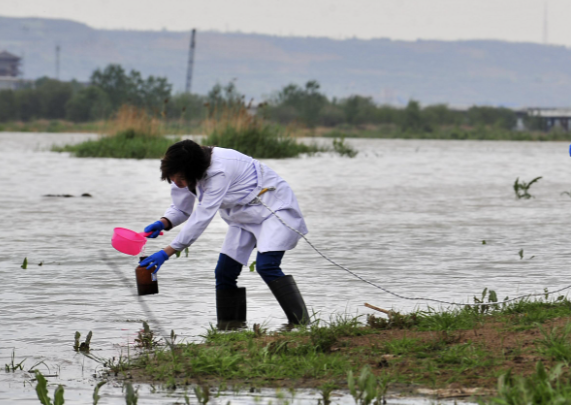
x: 146, y: 337
x: 131, y: 395
x: 13, y: 366
x: 25, y: 263
x: 96, y: 395
x: 343, y: 149
x: 82, y: 346
x: 520, y: 253
x: 367, y: 389
x: 253, y: 266
x: 202, y: 394
x: 492, y: 299
x: 43, y: 394
x: 326, y: 390
x: 521, y: 189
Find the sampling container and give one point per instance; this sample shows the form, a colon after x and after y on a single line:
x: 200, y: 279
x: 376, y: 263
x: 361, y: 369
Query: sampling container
x: 146, y: 281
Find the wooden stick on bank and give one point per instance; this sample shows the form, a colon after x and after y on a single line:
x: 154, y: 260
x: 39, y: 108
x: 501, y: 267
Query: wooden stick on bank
x: 384, y: 311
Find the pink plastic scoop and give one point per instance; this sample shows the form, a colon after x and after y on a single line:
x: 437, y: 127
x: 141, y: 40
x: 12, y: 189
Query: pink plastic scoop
x: 128, y: 241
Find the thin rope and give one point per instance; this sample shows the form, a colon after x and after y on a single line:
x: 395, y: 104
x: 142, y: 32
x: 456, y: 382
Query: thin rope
x: 258, y: 200
x: 144, y: 306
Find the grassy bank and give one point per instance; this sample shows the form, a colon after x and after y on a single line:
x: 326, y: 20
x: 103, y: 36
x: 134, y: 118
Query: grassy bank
x: 171, y: 127
x: 496, y: 351
x: 54, y: 126
x: 179, y: 127
x: 447, y: 133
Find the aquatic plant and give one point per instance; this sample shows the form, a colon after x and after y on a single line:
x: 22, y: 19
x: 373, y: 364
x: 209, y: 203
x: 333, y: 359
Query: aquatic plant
x: 521, y: 189
x: 96, y: 395
x: 492, y: 298
x: 520, y: 253
x: 25, y: 263
x: 326, y: 390
x: 343, y: 149
x: 42, y: 391
x: 367, y: 388
x: 131, y: 394
x: 146, y: 337
x: 202, y: 393
x: 82, y: 346
x: 13, y: 366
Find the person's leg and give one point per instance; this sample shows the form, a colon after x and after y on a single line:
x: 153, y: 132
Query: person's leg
x: 283, y: 287
x: 268, y: 265
x: 227, y: 272
x: 230, y: 300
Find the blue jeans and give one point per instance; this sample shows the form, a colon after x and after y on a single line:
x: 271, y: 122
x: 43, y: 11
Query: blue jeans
x: 267, y: 265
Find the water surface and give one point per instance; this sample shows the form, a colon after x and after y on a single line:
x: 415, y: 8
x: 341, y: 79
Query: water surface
x: 410, y: 215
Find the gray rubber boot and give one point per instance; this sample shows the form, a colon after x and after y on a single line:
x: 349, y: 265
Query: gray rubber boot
x: 231, y: 308
x: 286, y: 292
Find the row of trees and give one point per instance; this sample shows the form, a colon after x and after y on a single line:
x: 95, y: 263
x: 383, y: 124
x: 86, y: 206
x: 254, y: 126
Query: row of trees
x: 113, y: 86
x: 310, y: 106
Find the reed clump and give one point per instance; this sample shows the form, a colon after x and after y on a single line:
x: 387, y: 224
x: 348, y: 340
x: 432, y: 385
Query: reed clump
x: 132, y: 134
x: 137, y: 120
x: 233, y: 126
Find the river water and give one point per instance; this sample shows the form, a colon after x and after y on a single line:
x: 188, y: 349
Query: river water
x: 409, y: 215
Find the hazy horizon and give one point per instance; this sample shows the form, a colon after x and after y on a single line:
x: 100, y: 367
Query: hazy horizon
x: 448, y: 20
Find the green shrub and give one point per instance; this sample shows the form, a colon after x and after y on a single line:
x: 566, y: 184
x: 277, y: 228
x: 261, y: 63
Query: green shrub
x: 258, y: 142
x: 125, y: 145
x: 233, y: 127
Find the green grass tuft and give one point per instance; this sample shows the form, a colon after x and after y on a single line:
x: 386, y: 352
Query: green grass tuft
x: 260, y: 141
x: 127, y: 144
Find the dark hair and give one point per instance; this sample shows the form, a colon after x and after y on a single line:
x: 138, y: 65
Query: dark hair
x: 187, y: 158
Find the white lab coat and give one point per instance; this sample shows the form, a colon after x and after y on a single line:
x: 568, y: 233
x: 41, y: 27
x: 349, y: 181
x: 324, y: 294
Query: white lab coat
x: 230, y: 184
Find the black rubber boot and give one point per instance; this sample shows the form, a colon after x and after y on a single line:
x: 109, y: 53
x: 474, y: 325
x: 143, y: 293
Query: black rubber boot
x: 286, y: 292
x: 231, y: 308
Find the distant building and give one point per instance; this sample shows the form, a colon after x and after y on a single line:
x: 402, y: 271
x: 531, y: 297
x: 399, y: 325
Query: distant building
x: 9, y: 71
x: 552, y: 118
x: 9, y: 64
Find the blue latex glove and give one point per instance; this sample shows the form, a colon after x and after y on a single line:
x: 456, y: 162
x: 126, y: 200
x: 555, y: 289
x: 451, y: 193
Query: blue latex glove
x: 155, y: 228
x: 156, y: 259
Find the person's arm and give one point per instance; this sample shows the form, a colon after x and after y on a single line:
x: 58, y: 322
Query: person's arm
x: 169, y: 251
x: 167, y: 223
x: 180, y: 209
x: 214, y: 190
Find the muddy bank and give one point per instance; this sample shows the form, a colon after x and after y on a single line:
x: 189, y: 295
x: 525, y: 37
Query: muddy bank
x: 450, y: 354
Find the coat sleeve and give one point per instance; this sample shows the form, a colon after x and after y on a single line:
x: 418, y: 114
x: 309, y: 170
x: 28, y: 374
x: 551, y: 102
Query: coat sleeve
x: 181, y: 207
x: 214, y: 190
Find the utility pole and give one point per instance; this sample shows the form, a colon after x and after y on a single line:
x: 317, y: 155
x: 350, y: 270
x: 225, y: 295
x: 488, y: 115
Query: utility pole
x: 190, y: 61
x: 57, y: 61
x: 545, y: 20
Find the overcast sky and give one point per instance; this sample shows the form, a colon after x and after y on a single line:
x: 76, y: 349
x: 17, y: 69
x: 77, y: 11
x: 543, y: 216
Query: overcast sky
x: 511, y: 20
